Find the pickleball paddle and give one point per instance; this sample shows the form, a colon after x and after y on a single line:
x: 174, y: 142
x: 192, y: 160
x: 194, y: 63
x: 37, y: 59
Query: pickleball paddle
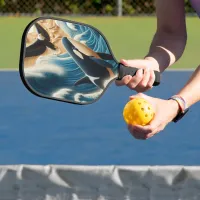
x: 68, y: 61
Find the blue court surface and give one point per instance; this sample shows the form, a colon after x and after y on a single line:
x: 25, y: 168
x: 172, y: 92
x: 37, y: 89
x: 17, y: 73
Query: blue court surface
x: 34, y: 130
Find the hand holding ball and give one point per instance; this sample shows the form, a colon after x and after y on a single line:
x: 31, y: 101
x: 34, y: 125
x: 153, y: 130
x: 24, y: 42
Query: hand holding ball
x: 138, y: 111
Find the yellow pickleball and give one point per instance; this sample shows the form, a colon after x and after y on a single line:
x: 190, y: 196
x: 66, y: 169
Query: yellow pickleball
x: 138, y: 112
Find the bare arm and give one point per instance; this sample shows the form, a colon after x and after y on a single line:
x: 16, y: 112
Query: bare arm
x: 191, y: 91
x: 170, y: 38
x: 167, y: 110
x: 166, y: 48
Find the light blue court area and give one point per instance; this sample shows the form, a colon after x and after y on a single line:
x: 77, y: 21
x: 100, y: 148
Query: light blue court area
x: 40, y: 131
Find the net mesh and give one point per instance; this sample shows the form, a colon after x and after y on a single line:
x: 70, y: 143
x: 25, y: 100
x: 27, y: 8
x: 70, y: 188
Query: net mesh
x: 80, y: 7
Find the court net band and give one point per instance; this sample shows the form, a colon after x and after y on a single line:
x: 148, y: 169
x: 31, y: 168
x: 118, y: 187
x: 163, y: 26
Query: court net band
x: 60, y: 182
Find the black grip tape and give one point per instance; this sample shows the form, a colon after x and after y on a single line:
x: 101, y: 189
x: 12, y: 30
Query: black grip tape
x: 124, y: 71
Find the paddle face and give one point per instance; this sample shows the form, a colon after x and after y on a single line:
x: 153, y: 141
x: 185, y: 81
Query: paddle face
x: 66, y: 61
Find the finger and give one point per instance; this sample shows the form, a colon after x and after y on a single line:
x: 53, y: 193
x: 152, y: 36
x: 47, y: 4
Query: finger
x: 134, y: 134
x: 141, y: 129
x: 130, y: 128
x: 125, y: 80
x: 151, y: 79
x: 156, y: 131
x: 140, y: 89
x: 145, y: 79
x: 153, y: 128
x: 136, y: 79
x: 144, y: 85
x: 149, y: 129
x: 139, y: 136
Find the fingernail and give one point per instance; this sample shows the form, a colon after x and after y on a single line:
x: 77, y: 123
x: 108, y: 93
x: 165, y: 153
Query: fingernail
x: 140, y: 71
x: 149, y: 136
x: 147, y: 69
x: 129, y: 77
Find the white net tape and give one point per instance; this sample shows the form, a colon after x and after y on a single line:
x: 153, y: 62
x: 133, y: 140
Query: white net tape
x: 28, y: 182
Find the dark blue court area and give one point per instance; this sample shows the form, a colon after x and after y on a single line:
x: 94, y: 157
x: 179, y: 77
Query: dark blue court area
x: 40, y: 131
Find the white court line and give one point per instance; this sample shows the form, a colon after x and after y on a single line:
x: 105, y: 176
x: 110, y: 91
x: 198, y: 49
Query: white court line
x: 8, y: 70
x: 181, y: 69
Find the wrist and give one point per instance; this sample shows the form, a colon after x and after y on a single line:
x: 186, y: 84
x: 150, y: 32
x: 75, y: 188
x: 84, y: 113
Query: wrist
x: 155, y: 64
x: 176, y: 108
x: 182, y: 107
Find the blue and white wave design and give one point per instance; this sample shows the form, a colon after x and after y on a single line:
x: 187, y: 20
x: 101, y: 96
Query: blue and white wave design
x: 55, y: 75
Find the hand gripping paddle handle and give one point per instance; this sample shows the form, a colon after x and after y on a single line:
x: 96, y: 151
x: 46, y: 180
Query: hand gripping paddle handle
x: 123, y: 71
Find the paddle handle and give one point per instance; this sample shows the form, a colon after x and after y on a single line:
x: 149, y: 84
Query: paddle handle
x: 124, y: 71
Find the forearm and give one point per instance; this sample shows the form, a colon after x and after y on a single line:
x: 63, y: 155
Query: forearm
x: 166, y: 48
x: 171, y: 35
x: 191, y: 91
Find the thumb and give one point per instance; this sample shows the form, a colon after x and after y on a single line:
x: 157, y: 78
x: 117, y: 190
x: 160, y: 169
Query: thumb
x: 134, y: 63
x: 155, y: 123
x: 124, y: 62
